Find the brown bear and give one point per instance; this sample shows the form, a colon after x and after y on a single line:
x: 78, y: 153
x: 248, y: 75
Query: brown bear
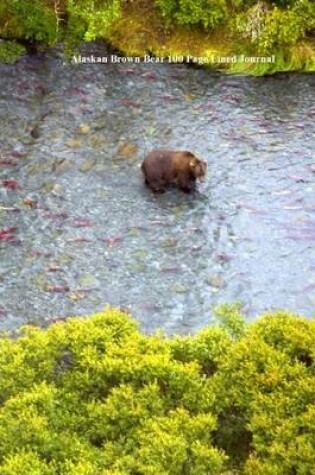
x: 165, y: 167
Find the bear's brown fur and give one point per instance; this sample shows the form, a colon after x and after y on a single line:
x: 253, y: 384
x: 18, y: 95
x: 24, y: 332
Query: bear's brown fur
x: 164, y: 167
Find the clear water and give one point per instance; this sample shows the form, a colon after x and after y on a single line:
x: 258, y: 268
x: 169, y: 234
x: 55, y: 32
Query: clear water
x: 86, y: 233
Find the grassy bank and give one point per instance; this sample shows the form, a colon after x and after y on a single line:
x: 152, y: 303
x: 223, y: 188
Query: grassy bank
x: 226, y: 46
x: 96, y: 396
x: 243, y: 36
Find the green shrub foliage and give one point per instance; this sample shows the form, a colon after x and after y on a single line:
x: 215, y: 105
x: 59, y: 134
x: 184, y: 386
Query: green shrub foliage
x: 56, y: 20
x: 10, y: 51
x: 29, y: 19
x: 272, y: 26
x: 207, y: 13
x: 282, y: 28
x: 269, y: 385
x: 95, y: 396
x: 89, y: 20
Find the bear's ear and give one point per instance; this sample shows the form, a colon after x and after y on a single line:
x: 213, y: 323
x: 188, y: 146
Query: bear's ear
x: 192, y: 163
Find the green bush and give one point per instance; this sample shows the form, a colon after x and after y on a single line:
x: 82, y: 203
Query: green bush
x: 10, y: 51
x: 268, y: 382
x: 89, y: 20
x: 207, y: 13
x: 306, y: 10
x: 30, y: 20
x: 282, y: 28
x: 244, y: 4
x: 49, y: 22
x: 96, y: 396
x: 87, y: 396
x: 286, y: 3
x: 270, y: 29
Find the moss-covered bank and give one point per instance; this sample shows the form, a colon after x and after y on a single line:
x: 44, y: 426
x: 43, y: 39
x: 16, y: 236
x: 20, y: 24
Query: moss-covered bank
x: 96, y: 396
x: 252, y: 36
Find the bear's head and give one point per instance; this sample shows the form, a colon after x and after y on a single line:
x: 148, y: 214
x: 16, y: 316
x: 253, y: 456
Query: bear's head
x: 197, y: 168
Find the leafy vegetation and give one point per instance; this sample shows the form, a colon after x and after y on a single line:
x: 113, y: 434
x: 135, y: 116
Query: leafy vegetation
x: 30, y: 20
x: 269, y: 28
x: 10, y: 51
x: 282, y: 28
x: 96, y: 396
x: 194, y: 12
x: 49, y: 22
x: 89, y: 20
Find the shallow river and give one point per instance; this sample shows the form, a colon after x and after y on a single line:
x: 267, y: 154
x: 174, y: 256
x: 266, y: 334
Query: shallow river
x: 80, y: 231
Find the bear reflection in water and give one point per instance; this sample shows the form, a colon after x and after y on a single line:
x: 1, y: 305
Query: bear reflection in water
x: 165, y: 167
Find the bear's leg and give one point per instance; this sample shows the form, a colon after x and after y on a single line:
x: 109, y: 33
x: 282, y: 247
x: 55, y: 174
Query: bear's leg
x: 184, y: 183
x: 154, y: 181
x: 156, y: 187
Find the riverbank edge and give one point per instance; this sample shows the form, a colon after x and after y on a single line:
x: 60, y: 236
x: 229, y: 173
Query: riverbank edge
x: 133, y: 36
x: 136, y: 35
x: 220, y: 60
